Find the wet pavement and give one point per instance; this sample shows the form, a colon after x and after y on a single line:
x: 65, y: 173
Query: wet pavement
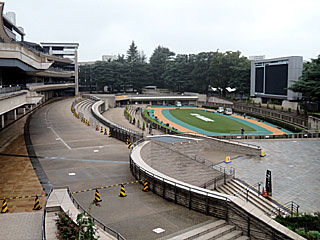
x: 295, y: 166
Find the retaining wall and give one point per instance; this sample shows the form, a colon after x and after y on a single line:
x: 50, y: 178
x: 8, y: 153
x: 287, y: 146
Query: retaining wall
x: 235, y: 211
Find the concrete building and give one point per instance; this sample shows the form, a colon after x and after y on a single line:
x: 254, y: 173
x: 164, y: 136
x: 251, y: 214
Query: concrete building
x: 29, y: 73
x: 271, y: 78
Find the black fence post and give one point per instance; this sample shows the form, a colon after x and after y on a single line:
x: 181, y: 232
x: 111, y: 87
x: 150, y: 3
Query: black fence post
x: 175, y: 193
x: 190, y: 198
x: 207, y: 204
x: 153, y: 184
x: 163, y: 189
x: 248, y: 226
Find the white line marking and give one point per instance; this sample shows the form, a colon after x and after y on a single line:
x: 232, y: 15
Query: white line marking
x: 72, y: 174
x: 60, y: 138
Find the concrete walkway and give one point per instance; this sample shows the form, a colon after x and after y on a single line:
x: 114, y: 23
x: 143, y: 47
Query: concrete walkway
x: 17, y: 226
x: 60, y: 198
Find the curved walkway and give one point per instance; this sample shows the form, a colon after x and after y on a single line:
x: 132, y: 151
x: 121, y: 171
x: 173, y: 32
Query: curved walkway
x: 98, y: 160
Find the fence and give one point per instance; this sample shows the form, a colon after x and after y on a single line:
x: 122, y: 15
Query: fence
x: 206, y: 202
x: 98, y: 222
x: 43, y: 227
x: 116, y: 131
x: 9, y: 89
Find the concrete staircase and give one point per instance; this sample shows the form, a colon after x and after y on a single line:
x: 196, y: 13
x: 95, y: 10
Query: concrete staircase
x: 215, y: 230
x: 235, y: 187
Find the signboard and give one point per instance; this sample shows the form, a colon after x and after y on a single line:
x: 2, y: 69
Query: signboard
x: 268, y: 183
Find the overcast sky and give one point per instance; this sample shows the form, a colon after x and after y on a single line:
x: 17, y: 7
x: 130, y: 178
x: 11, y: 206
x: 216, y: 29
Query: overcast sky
x: 274, y: 28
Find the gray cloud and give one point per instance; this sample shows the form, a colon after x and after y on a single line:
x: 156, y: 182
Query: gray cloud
x: 272, y: 28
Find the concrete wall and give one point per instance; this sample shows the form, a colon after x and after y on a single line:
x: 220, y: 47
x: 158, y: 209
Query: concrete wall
x: 314, y: 123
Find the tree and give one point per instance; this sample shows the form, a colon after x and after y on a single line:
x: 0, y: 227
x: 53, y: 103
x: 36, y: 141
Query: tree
x: 309, y: 82
x: 158, y: 60
x: 225, y: 69
x: 132, y: 53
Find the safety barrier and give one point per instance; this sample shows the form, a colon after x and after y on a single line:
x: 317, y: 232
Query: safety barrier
x: 98, y: 222
x: 116, y: 131
x: 43, y: 226
x: 211, y: 203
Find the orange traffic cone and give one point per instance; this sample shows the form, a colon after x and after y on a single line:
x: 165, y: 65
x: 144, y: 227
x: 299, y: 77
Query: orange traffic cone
x: 264, y: 193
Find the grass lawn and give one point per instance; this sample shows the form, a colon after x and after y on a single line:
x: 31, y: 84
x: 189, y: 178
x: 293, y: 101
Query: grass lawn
x: 221, y: 124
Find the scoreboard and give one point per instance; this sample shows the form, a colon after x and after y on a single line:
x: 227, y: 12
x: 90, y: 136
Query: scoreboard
x: 271, y: 78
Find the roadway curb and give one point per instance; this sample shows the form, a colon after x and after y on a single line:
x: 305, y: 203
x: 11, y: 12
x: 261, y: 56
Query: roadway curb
x: 42, y: 176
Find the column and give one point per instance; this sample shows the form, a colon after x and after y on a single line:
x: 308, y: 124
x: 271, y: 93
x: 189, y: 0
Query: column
x: 2, y: 121
x: 12, y: 115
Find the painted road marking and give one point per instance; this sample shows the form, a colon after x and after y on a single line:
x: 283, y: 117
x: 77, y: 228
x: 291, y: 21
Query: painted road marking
x: 60, y: 138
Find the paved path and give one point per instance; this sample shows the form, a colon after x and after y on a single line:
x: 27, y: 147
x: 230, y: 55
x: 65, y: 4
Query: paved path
x: 16, y: 226
x: 98, y: 160
x: 295, y: 166
x: 17, y: 177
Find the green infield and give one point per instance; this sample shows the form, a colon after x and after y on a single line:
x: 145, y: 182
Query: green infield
x: 209, y: 121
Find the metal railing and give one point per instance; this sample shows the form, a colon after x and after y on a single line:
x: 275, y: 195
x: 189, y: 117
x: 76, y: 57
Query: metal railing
x: 95, y: 220
x: 247, y: 189
x: 9, y: 89
x: 205, y: 201
x: 43, y: 227
x: 290, y: 207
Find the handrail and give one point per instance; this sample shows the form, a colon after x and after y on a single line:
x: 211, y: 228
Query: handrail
x: 247, y: 189
x: 103, y: 226
x: 43, y: 226
x: 290, y: 207
x: 211, y: 203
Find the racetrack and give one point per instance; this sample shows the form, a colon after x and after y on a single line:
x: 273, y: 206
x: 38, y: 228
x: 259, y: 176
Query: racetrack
x: 222, y: 125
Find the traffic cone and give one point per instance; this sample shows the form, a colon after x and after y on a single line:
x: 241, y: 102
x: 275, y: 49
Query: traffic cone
x: 262, y: 154
x: 110, y: 134
x: 101, y: 129
x: 145, y: 186
x: 228, y: 160
x: 129, y: 145
x: 105, y: 132
x: 97, y: 128
x: 88, y: 124
x: 122, y: 191
x: 127, y: 141
x: 36, y: 204
x: 97, y: 197
x: 264, y: 193
x: 4, y: 208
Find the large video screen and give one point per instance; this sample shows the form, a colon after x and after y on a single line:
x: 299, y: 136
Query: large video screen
x: 276, y: 79
x: 259, y: 79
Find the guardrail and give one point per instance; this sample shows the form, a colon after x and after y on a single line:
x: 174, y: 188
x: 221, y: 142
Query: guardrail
x: 43, y: 227
x: 9, y: 89
x: 116, y: 131
x: 210, y: 203
x: 95, y: 220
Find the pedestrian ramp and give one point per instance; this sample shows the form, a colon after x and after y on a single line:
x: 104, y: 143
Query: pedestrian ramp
x: 216, y: 229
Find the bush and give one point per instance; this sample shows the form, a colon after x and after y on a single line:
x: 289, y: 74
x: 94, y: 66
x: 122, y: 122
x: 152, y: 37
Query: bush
x: 274, y: 106
x: 67, y: 229
x: 267, y: 105
x: 259, y: 104
x: 289, y: 109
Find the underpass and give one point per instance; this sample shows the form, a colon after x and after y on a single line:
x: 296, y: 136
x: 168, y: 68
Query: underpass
x: 86, y: 158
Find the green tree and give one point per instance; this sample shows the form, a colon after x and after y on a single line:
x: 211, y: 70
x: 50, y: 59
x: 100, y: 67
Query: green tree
x: 132, y: 53
x: 225, y: 70
x: 158, y: 60
x: 309, y: 83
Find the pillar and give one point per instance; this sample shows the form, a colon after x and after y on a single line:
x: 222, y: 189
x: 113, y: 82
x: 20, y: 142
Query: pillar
x: 2, y: 121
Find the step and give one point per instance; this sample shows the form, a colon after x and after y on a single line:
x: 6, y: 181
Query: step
x: 223, y: 190
x: 230, y: 236
x: 242, y: 238
x: 200, y: 231
x: 217, y: 233
x: 264, y: 203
